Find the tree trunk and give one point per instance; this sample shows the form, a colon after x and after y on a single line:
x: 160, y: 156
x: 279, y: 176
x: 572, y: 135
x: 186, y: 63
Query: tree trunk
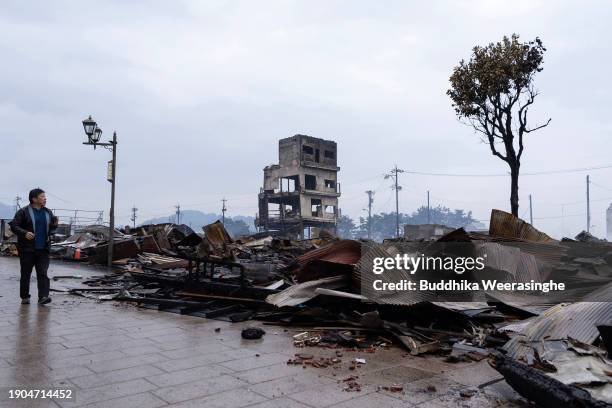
x: 514, y: 197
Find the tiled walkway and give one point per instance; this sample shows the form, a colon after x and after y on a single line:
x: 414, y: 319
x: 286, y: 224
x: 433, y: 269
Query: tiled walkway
x: 116, y: 355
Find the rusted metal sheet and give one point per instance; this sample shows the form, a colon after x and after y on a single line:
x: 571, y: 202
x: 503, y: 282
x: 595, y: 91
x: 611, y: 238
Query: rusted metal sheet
x: 216, y: 234
x: 336, y: 258
x: 345, y: 251
x: 504, y: 224
x: 216, y: 241
x: 148, y: 244
x: 122, y: 249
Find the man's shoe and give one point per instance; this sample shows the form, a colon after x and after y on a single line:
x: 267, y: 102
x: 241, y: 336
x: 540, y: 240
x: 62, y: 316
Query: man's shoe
x: 44, y: 300
x: 25, y: 301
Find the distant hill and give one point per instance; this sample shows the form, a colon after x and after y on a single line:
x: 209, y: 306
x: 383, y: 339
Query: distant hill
x: 7, y: 211
x: 236, y: 225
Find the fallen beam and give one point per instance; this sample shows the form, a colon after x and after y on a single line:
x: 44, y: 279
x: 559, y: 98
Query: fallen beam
x: 545, y: 391
x: 217, y: 297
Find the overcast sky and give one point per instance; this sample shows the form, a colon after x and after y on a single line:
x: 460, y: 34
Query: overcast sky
x: 200, y: 92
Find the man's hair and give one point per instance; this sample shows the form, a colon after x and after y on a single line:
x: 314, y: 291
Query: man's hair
x: 35, y: 193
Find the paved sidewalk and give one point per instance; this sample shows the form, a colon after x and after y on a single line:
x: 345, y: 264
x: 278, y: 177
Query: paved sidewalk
x: 116, y: 355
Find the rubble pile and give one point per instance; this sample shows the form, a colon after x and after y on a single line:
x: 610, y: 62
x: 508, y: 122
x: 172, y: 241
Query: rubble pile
x: 551, y: 350
x: 8, y: 240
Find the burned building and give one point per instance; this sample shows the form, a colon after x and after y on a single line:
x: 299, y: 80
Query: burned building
x: 300, y: 193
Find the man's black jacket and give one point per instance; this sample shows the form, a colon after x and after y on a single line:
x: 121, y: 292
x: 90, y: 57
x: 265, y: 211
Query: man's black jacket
x: 23, y: 223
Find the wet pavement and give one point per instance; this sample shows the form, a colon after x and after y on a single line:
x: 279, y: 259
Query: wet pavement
x: 116, y: 355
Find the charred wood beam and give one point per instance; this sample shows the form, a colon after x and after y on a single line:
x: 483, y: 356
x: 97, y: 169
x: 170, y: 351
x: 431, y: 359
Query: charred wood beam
x: 225, y: 298
x: 545, y: 391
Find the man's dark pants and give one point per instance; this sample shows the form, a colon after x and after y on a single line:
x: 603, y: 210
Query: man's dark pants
x: 38, y: 259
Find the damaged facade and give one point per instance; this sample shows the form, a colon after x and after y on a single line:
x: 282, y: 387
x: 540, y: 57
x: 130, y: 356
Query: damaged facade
x: 301, y: 192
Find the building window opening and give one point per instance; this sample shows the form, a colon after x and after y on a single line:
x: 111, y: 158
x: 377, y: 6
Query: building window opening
x: 288, y: 184
x: 315, y: 207
x: 310, y: 182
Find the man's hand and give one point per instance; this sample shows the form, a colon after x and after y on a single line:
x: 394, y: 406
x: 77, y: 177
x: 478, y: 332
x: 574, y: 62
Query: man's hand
x: 29, y: 235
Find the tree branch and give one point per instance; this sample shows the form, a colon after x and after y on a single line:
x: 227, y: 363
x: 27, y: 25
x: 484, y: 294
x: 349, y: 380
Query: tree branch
x: 538, y: 127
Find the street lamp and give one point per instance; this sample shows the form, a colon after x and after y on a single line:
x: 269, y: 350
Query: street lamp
x: 95, y: 138
x: 94, y: 133
x: 89, y: 125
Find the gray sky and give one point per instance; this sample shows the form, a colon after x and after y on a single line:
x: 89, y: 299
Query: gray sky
x: 201, y: 91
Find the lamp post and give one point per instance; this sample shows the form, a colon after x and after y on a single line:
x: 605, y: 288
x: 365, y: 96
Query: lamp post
x: 94, y: 133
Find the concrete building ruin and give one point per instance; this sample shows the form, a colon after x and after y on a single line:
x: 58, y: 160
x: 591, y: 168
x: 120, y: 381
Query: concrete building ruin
x: 300, y: 193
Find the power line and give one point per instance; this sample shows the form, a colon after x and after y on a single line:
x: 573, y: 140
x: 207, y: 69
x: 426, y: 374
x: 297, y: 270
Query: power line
x: 600, y: 186
x: 59, y: 198
x: 537, y: 173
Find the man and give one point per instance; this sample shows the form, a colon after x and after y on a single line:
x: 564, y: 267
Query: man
x: 34, y: 226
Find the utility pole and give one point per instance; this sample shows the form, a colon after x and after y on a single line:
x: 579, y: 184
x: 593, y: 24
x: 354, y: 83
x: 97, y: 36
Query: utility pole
x: 223, y: 210
x: 133, y: 218
x: 17, y: 203
x: 394, y: 174
x: 588, y: 182
x: 563, y: 219
x: 178, y: 213
x: 530, y: 211
x: 370, y: 193
x: 111, y: 232
x: 94, y: 133
x: 428, y: 209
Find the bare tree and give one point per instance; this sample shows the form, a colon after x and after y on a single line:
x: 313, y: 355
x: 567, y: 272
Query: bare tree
x: 493, y: 93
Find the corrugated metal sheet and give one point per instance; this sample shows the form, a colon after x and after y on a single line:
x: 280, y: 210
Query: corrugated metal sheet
x: 464, y: 306
x: 345, y: 252
x: 522, y: 266
x: 549, y: 252
x: 216, y: 234
x: 336, y: 258
x: 363, y: 276
x: 575, y: 320
x: 216, y: 241
x: 303, y: 292
x: 504, y: 224
x: 603, y: 294
x: 524, y: 301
